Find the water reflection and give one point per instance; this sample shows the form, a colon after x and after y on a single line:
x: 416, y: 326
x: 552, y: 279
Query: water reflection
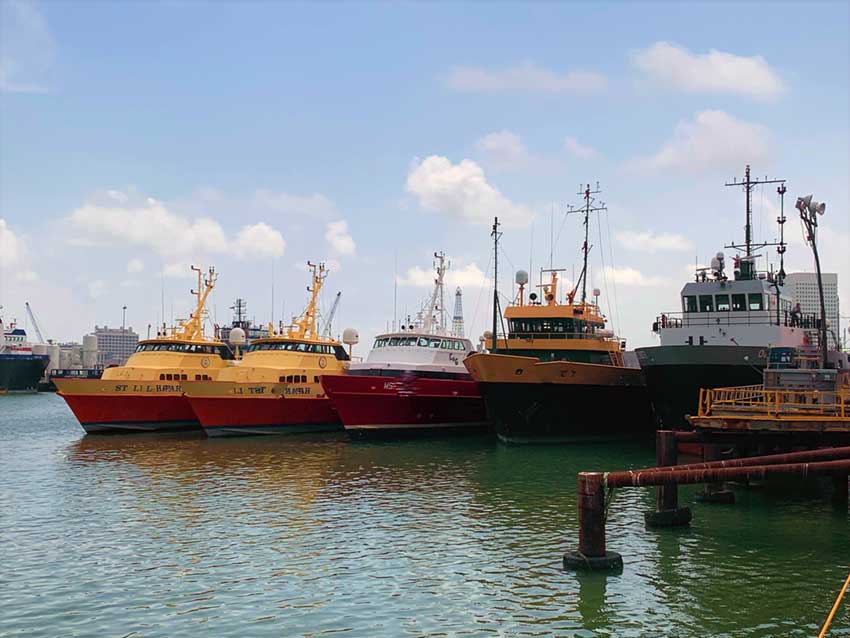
x: 178, y: 535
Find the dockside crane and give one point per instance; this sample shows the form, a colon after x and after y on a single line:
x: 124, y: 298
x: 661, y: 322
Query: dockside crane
x: 34, y: 323
x: 331, y: 314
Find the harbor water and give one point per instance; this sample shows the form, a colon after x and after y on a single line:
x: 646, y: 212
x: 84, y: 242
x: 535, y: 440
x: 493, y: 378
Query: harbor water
x: 178, y: 535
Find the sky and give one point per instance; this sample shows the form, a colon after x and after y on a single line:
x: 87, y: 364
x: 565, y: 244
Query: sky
x: 139, y: 138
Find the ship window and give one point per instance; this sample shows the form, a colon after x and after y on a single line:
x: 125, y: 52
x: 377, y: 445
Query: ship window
x: 162, y: 377
x: 739, y: 302
x: 183, y: 377
x: 756, y: 302
x: 289, y: 378
x: 706, y: 303
x: 689, y: 303
x: 303, y: 378
x: 722, y: 302
x: 394, y: 341
x: 341, y: 354
x: 423, y: 342
x: 315, y: 379
x: 444, y: 344
x: 197, y: 377
x: 433, y: 343
x: 168, y: 377
x: 301, y: 347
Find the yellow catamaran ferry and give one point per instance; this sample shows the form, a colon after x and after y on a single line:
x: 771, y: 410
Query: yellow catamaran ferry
x: 558, y: 374
x: 276, y: 388
x: 146, y: 393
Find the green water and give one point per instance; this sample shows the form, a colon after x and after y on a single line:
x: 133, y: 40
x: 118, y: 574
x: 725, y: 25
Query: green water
x: 168, y: 536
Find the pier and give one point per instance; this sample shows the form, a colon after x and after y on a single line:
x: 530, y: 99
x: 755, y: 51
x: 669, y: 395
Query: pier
x: 592, y: 552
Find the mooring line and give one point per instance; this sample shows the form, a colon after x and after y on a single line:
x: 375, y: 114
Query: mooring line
x: 834, y: 608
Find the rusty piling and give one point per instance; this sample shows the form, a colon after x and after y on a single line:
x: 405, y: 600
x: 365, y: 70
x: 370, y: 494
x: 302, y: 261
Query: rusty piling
x: 592, y: 554
x: 667, y: 511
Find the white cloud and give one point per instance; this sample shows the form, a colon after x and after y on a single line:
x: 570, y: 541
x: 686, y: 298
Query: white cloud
x: 135, y: 265
x: 26, y: 47
x: 96, y: 288
x: 712, y: 72
x: 573, y: 147
x: 524, y: 78
x: 633, y: 277
x: 337, y: 235
x: 462, y: 190
x: 649, y: 242
x: 714, y: 139
x: 124, y: 218
x: 14, y: 255
x: 259, y: 241
x: 315, y: 205
x: 468, y: 276
x: 503, y: 150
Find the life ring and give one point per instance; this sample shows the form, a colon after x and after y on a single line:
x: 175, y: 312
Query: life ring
x: 762, y: 354
x: 323, y: 363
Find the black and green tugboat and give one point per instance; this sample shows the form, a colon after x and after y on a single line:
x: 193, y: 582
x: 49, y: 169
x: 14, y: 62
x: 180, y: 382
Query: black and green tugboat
x: 725, y: 329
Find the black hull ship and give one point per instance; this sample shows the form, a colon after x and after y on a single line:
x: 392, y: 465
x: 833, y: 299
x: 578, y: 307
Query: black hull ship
x: 558, y: 375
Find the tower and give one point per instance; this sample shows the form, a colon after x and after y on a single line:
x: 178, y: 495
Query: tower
x: 457, y: 319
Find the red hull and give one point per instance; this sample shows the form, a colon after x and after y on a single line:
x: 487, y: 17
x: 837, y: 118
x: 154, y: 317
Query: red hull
x: 131, y: 413
x: 240, y: 416
x: 379, y: 403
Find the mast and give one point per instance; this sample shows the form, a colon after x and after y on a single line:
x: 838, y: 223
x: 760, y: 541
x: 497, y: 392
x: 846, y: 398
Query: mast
x: 194, y: 327
x: 589, y: 207
x: 749, y: 184
x: 306, y: 325
x: 495, y: 234
x: 438, y: 293
x: 457, y: 318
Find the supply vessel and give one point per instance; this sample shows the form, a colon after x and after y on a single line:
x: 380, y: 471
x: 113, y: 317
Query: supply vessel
x: 146, y: 393
x: 413, y: 380
x: 276, y: 387
x: 20, y: 367
x: 557, y: 374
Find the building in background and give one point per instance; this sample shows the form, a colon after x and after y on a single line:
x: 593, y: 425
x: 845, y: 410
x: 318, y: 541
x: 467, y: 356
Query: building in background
x: 803, y: 287
x: 115, y: 345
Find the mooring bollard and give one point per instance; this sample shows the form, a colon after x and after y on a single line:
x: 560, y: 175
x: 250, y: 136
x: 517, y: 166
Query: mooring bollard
x: 667, y: 511
x: 591, y: 553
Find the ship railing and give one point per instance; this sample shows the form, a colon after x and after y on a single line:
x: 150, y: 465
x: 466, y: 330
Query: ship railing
x: 76, y: 373
x: 529, y: 336
x: 785, y: 403
x: 666, y: 321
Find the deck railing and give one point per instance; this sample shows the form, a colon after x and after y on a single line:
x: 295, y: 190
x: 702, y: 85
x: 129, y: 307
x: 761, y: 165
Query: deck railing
x: 733, y: 318
x: 786, y: 403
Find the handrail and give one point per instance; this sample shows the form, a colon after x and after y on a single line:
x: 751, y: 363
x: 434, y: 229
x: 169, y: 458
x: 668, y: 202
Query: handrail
x: 528, y: 336
x: 788, y: 403
x: 669, y: 320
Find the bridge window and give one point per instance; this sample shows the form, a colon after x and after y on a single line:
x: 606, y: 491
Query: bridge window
x: 423, y: 342
x: 394, y: 341
x: 689, y: 303
x: 722, y: 302
x: 756, y: 301
x: 706, y: 303
x: 739, y: 302
x: 433, y: 343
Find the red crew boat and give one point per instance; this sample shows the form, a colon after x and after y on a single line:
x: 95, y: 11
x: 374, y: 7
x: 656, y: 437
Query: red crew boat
x: 412, y: 380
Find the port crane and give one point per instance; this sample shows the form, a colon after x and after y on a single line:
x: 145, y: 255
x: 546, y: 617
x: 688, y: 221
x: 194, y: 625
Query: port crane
x: 34, y: 322
x: 332, y: 313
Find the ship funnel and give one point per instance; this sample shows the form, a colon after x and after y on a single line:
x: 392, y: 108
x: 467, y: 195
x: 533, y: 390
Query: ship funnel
x: 521, y: 277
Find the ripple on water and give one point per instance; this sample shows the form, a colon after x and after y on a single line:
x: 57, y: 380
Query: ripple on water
x: 177, y: 535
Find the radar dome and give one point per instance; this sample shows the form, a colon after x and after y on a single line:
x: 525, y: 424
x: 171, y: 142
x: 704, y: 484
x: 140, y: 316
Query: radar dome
x: 521, y: 277
x: 596, y: 292
x: 487, y: 336
x: 350, y: 337
x: 236, y: 336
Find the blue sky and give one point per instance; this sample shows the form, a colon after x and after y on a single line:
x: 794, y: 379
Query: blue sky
x: 136, y: 138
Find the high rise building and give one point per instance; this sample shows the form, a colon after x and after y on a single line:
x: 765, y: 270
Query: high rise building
x: 803, y: 287
x: 115, y: 345
x: 457, y: 318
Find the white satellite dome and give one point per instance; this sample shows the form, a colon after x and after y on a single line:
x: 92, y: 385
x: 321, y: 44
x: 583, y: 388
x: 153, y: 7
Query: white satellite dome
x: 521, y: 277
x: 350, y: 337
x: 237, y: 336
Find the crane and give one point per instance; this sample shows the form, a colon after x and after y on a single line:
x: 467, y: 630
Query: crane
x: 331, y: 314
x: 34, y: 322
